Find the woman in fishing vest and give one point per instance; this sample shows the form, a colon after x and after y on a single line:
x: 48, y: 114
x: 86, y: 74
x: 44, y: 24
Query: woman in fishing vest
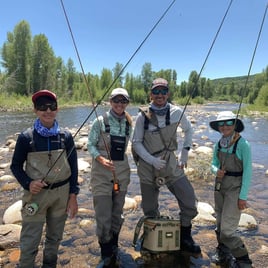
x: 49, y: 178
x: 232, y: 166
x: 110, y: 173
x: 155, y: 143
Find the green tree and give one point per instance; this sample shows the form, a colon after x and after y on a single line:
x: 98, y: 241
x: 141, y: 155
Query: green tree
x: 147, y: 77
x: 117, y: 76
x: 262, y: 99
x: 16, y: 57
x: 43, y: 64
x: 106, y: 80
x: 70, y: 76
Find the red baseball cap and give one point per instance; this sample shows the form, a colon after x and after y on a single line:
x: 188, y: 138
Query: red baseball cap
x: 44, y: 93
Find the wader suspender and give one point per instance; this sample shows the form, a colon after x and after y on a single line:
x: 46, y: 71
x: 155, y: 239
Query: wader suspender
x: 107, y: 126
x: 232, y: 173
x: 148, y: 116
x: 147, y: 120
x: 61, y: 139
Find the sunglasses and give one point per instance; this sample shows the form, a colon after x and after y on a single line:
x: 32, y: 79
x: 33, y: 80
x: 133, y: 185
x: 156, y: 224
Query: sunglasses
x: 123, y: 101
x: 157, y: 91
x: 226, y: 123
x: 53, y: 107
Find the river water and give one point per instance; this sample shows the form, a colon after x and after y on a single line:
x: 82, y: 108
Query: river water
x: 256, y: 129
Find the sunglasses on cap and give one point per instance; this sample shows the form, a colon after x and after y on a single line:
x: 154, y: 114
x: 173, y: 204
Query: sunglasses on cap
x: 43, y: 107
x: 123, y: 101
x: 226, y: 123
x: 157, y: 91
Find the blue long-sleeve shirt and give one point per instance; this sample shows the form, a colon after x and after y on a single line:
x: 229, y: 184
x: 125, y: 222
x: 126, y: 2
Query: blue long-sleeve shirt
x: 23, y: 147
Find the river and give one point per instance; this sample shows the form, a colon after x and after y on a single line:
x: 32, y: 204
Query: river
x: 256, y: 129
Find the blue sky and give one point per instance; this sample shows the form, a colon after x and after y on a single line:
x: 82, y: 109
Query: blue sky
x: 109, y: 31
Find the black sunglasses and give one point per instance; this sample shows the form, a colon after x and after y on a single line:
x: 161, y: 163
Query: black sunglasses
x: 157, y: 91
x: 123, y: 101
x: 52, y: 106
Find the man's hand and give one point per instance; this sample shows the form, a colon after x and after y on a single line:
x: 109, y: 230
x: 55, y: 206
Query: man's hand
x: 108, y: 164
x: 72, y: 207
x: 159, y: 163
x: 36, y: 186
x: 242, y: 204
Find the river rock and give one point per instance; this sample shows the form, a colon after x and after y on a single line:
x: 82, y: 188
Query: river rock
x: 13, y: 213
x: 6, y: 178
x: 247, y: 221
x: 130, y: 203
x: 9, y: 236
x: 83, y: 165
x: 203, y: 150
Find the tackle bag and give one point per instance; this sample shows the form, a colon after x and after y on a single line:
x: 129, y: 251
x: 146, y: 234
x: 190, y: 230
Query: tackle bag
x: 160, y: 234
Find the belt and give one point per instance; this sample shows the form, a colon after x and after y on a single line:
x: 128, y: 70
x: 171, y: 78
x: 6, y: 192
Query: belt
x: 56, y: 184
x: 234, y: 173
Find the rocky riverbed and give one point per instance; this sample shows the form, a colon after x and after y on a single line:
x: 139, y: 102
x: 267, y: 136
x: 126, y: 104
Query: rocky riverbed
x: 79, y: 247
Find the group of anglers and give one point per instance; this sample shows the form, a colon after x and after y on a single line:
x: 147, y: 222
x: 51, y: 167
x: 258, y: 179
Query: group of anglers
x: 45, y: 164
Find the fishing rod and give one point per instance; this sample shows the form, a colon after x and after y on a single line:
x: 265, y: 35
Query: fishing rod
x: 31, y: 208
x: 205, y: 61
x: 161, y: 180
x: 115, y: 180
x: 251, y: 63
x: 234, y: 136
x: 122, y: 69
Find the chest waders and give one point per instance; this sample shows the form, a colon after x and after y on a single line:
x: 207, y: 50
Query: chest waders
x: 223, y: 160
x: 54, y: 169
x: 159, y: 142
x: 118, y: 144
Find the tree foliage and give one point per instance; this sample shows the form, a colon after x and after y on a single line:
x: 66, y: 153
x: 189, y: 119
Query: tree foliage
x: 30, y: 64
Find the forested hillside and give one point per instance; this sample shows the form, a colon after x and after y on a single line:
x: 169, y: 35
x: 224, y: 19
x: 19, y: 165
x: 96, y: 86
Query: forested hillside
x: 29, y: 64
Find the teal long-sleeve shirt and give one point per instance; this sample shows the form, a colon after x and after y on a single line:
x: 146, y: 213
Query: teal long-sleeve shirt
x: 243, y: 152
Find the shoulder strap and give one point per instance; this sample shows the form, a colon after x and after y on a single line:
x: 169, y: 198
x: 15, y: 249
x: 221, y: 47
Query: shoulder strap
x: 235, y: 145
x: 107, y: 125
x: 137, y: 230
x: 106, y: 122
x: 149, y: 118
x: 62, y: 137
x: 29, y: 132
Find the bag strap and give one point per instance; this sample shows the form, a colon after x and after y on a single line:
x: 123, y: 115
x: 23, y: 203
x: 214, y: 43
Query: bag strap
x: 138, y: 229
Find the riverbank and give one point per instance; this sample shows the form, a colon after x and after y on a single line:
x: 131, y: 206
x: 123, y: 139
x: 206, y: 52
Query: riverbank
x: 79, y: 247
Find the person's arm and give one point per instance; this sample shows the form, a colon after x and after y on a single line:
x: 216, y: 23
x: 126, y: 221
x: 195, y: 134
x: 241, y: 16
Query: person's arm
x: 73, y: 162
x: 137, y: 141
x: 93, y: 137
x: 19, y: 157
x: 187, y: 129
x: 215, y: 163
x: 244, y: 153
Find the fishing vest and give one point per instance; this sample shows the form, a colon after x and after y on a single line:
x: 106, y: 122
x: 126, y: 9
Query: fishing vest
x: 116, y: 144
x: 232, y: 164
x: 50, y: 166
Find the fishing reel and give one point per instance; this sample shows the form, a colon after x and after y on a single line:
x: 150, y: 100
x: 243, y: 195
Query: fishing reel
x: 31, y: 209
x: 160, y: 181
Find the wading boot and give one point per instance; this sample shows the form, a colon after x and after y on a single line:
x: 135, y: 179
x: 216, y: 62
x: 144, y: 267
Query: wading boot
x: 187, y: 242
x: 242, y: 262
x: 222, y: 254
x: 115, y: 243
x: 107, y: 255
